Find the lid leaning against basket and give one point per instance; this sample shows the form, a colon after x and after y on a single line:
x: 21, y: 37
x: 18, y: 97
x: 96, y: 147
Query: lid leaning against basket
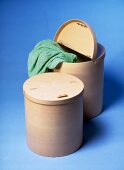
x: 78, y: 36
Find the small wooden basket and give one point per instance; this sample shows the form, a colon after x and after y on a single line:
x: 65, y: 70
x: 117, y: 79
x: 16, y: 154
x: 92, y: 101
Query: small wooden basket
x: 54, y: 113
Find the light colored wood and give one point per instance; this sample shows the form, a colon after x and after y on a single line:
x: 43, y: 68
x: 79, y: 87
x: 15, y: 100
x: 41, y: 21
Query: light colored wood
x: 79, y: 36
x: 54, y: 128
x: 92, y: 75
x: 52, y: 88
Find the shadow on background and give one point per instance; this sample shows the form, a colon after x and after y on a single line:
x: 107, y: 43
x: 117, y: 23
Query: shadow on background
x: 113, y: 90
x: 93, y: 130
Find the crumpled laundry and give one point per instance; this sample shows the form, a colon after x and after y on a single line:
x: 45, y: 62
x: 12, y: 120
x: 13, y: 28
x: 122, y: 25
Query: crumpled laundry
x: 46, y: 55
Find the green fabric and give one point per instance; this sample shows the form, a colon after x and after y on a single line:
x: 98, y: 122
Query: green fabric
x: 47, y: 55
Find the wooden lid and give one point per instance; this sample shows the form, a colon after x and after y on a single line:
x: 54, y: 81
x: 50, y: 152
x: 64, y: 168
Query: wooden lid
x: 52, y: 88
x: 78, y: 36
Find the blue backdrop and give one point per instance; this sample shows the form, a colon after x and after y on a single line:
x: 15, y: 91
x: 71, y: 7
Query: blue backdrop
x: 22, y: 24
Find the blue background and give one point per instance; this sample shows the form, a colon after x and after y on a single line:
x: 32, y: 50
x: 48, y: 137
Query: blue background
x: 22, y: 24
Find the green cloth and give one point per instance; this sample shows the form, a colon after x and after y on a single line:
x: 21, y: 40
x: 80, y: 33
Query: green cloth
x: 47, y: 55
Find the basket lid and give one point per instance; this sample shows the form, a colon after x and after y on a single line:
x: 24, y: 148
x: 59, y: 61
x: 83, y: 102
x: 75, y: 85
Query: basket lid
x: 78, y: 36
x: 52, y: 88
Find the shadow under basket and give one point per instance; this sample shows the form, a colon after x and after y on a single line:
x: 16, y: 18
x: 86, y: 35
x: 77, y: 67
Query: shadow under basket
x: 91, y: 72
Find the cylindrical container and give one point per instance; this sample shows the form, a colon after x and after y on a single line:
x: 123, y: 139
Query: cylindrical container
x: 54, y: 113
x: 92, y: 75
x: 77, y: 37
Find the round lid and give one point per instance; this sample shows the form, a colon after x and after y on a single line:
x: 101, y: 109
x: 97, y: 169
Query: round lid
x: 78, y: 36
x: 52, y: 88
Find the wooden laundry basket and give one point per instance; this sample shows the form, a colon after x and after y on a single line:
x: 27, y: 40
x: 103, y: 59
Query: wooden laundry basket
x: 54, y: 113
x: 77, y: 36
